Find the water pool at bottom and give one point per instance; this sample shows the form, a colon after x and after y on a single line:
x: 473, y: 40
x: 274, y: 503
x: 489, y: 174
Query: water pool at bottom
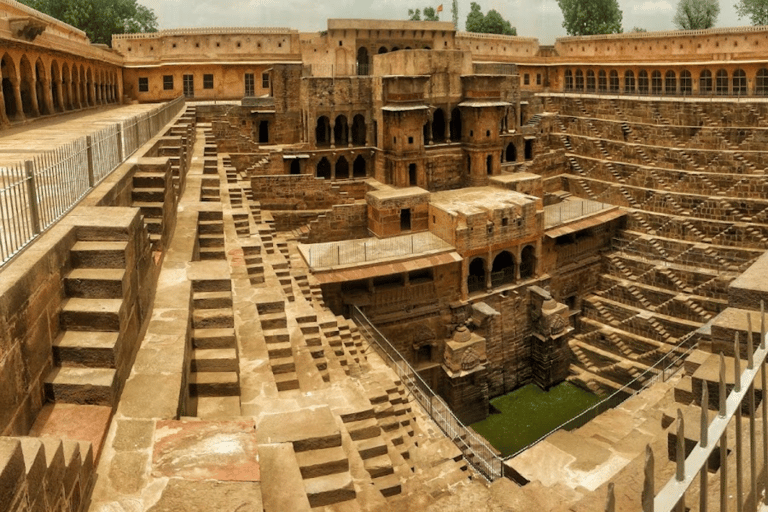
x: 529, y: 412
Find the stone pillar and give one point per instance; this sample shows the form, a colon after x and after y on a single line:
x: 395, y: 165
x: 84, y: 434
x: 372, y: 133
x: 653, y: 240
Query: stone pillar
x: 349, y: 131
x: 60, y: 96
x: 333, y: 134
x: 33, y: 99
x: 429, y: 131
x: 488, y: 268
x: 448, y: 127
x: 17, y: 97
x: 3, y: 115
x: 48, y: 96
x: 518, y: 262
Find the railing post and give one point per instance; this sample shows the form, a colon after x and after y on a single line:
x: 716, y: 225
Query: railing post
x: 648, y: 483
x: 89, y: 152
x: 34, y: 212
x: 119, y: 135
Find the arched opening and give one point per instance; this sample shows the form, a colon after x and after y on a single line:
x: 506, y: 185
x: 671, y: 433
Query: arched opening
x: 382, y: 50
x: 395, y: 48
x: 263, y: 131
x: 405, y: 219
x: 579, y: 80
x: 511, y: 153
x: 358, y: 167
x: 670, y: 83
x: 503, y: 270
x: 739, y: 82
x: 602, y: 81
x: 342, y: 168
x: 425, y: 133
x: 721, y: 83
x: 489, y: 165
x: 412, y: 175
x: 358, y: 130
x: 590, y: 81
x: 761, y: 82
x: 56, y: 86
x: 642, y: 82
x: 438, y: 126
x: 424, y: 354
x: 40, y: 86
x: 629, y: 82
x: 27, y: 86
x: 8, y: 71
x: 613, y: 81
x: 686, y: 82
x: 323, y: 131
x: 705, y: 82
x: 323, y: 169
x: 341, y: 131
x: 528, y: 262
x: 656, y: 83
x: 568, y: 79
x: 89, y: 86
x: 456, y: 125
x: 295, y: 166
x: 362, y: 61
x: 476, y: 275
x: 529, y: 149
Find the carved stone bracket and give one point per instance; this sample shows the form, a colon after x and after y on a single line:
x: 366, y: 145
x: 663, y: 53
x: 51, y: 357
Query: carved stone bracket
x: 27, y: 28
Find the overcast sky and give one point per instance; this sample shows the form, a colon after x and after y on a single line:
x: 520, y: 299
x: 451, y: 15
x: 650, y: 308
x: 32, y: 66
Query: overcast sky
x: 533, y: 18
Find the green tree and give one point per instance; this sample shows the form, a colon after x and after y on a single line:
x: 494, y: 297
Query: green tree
x: 696, y: 14
x: 429, y: 14
x: 755, y: 10
x: 638, y: 29
x: 455, y: 13
x: 589, y: 17
x: 100, y: 19
x: 414, y: 15
x: 491, y: 23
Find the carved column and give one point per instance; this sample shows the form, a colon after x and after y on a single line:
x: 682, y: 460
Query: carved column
x: 3, y: 115
x: 17, y: 97
x: 48, y: 96
x: 333, y: 134
x: 60, y: 95
x: 33, y: 99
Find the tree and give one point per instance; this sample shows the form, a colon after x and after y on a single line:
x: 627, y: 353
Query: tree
x: 455, y: 13
x: 429, y: 14
x: 491, y: 23
x: 755, y: 10
x: 100, y: 19
x: 638, y: 29
x: 696, y: 14
x: 589, y: 17
x: 414, y: 15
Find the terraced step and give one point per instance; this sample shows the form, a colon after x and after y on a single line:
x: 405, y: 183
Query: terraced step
x: 214, y: 383
x: 273, y: 320
x: 329, y: 489
x: 82, y: 314
x: 148, y: 195
x: 95, y: 283
x: 213, y: 318
x: 94, y: 386
x: 86, y: 349
x: 99, y: 254
x: 148, y: 179
x: 215, y: 360
x: 150, y: 209
x: 325, y: 461
x: 212, y: 300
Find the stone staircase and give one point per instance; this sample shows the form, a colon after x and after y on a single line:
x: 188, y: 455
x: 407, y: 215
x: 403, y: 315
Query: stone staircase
x: 274, y: 325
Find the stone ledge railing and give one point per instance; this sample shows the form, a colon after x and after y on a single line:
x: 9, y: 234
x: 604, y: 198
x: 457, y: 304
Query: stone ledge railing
x: 207, y: 31
x: 664, y: 33
x: 36, y: 193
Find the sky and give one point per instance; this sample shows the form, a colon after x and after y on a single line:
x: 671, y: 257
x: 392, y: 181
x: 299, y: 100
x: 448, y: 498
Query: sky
x: 533, y: 18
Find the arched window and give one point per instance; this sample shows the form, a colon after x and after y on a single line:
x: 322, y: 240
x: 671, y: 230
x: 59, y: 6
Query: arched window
x: 438, y: 126
x: 642, y: 82
x: 511, y: 155
x: 705, y: 82
x: 613, y: 81
x: 579, y: 80
x: 721, y: 83
x: 739, y: 83
x: 629, y: 82
x: 528, y: 262
x: 358, y: 167
x: 686, y: 83
x: 568, y: 80
x: 342, y: 168
x: 590, y: 81
x: 382, y: 50
x: 602, y: 82
x: 362, y: 61
x: 476, y: 276
x: 324, y: 169
x: 670, y: 83
x: 503, y: 270
x: 323, y: 131
x: 656, y: 82
x: 761, y: 82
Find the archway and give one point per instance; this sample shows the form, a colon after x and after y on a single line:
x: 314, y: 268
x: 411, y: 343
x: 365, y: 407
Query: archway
x: 382, y: 50
x: 656, y: 84
x: 761, y: 82
x: 56, y: 93
x: 358, y: 167
x: 642, y: 82
x: 503, y: 270
x: 705, y: 82
x: 456, y: 125
x: 476, y: 275
x: 511, y: 153
x: 613, y: 81
x: 323, y: 131
x: 342, y: 168
x: 66, y: 87
x: 686, y: 82
x: 324, y: 169
x: 41, y: 88
x: 362, y: 61
x: 295, y: 166
x: 721, y: 82
x: 341, y: 131
x: 568, y: 79
x: 670, y: 83
x: 358, y: 130
x: 8, y: 71
x: 27, y: 86
x: 528, y: 262
x: 579, y: 80
x: 89, y: 87
x: 438, y: 126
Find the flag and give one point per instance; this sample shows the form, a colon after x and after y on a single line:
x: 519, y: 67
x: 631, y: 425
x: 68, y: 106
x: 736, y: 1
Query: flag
x: 440, y: 8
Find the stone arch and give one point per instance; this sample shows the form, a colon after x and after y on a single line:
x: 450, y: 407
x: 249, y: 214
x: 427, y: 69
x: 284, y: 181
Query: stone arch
x: 323, y: 131
x: 456, y: 125
x: 705, y: 82
x: 341, y: 130
x: 686, y: 82
x: 395, y: 48
x: 590, y: 81
x: 503, y: 269
x: 324, y: 169
x: 670, y: 82
x: 568, y: 80
x: 739, y: 82
x: 629, y: 82
x: 613, y: 81
x: 56, y: 87
x: 27, y: 88
x: 89, y: 89
x: 42, y: 91
x: 528, y: 262
x: 721, y: 82
x: 83, y: 88
x: 511, y: 155
x: 657, y: 86
x: 359, y: 167
x: 342, y: 168
x: 9, y: 76
x: 438, y: 126
x: 579, y: 80
x: 642, y: 82
x: 476, y: 275
x: 66, y: 86
x: 358, y: 130
x: 382, y: 50
x: 362, y: 61
x: 761, y: 82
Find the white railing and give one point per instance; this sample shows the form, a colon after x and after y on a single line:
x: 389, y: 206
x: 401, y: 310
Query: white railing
x: 207, y: 31
x: 349, y: 252
x: 557, y: 214
x: 36, y: 193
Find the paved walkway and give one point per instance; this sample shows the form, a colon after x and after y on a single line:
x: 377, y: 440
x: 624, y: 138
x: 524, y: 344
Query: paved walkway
x: 23, y: 142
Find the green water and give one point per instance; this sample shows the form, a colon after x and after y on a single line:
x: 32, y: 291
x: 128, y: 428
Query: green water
x: 528, y: 413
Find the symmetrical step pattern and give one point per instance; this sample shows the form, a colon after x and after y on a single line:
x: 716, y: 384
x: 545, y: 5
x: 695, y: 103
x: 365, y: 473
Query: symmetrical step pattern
x: 274, y: 326
x: 210, y: 235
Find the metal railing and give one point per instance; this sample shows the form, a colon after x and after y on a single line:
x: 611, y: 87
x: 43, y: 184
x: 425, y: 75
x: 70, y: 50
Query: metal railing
x: 349, y: 252
x: 570, y: 210
x: 36, y: 193
x: 714, y: 435
x: 475, y: 449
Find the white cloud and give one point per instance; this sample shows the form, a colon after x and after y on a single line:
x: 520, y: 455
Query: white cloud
x: 659, y: 6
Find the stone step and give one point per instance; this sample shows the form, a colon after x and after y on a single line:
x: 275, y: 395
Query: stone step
x: 210, y: 227
x: 329, y: 489
x: 150, y: 209
x: 82, y: 314
x: 388, y: 485
x: 212, y: 300
x: 99, y: 254
x: 148, y: 195
x: 270, y: 307
x: 378, y: 466
x: 215, y: 360
x: 282, y: 365
x: 215, y: 240
x: 214, y: 383
x: 275, y: 320
x: 276, y: 336
x: 287, y: 381
x: 321, y: 462
x: 148, y: 179
x: 86, y: 349
x: 96, y: 386
x: 154, y: 225
x: 95, y: 283
x: 366, y: 428
x: 371, y: 447
x: 214, y: 338
x: 213, y: 318
x: 279, y: 350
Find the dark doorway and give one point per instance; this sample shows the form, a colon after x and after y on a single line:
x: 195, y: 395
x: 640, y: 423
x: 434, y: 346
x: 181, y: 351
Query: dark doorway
x: 362, y: 61
x: 476, y: 277
x: 412, y: 175
x: 405, y: 219
x: 342, y: 168
x: 511, y: 153
x: 503, y: 271
x: 489, y: 164
x: 323, y: 131
x: 528, y: 262
x: 438, y: 126
x: 295, y: 166
x: 358, y: 167
x: 456, y: 125
x: 324, y: 169
x: 263, y: 132
x: 529, y: 149
x: 358, y: 130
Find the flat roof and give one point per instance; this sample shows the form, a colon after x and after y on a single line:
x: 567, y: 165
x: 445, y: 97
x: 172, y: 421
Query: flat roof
x: 478, y: 199
x: 576, y: 214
